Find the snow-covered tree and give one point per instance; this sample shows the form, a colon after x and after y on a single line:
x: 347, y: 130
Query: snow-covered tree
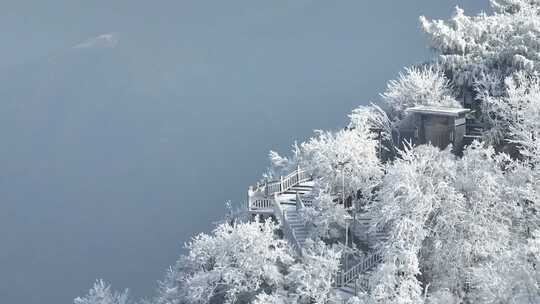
x: 482, y: 229
x: 326, y: 217
x: 424, y: 85
x: 461, y: 229
x: 500, y: 43
x: 330, y: 155
x: 345, y: 162
x: 312, y: 278
x: 518, y: 113
x: 101, y: 293
x: 371, y: 119
x: 282, y: 165
x: 169, y: 289
x: 344, y: 159
x: 233, y: 265
x: 453, y: 226
x: 412, y: 187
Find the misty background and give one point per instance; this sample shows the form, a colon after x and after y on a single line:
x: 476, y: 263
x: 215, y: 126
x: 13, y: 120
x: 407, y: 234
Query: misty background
x: 126, y: 125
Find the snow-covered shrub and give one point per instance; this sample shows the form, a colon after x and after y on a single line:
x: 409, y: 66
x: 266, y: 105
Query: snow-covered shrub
x: 360, y: 298
x: 101, y: 293
x: 443, y: 296
x: 264, y: 298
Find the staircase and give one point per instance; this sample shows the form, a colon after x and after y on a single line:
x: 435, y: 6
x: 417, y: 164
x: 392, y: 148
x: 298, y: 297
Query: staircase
x: 284, y: 198
x: 363, y: 232
x: 352, y: 280
x: 261, y: 197
x: 346, y: 280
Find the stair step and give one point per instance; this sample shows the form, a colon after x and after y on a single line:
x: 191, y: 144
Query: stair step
x: 347, y: 290
x: 301, y: 192
x: 294, y: 219
x: 288, y: 204
x: 297, y: 224
x: 298, y: 227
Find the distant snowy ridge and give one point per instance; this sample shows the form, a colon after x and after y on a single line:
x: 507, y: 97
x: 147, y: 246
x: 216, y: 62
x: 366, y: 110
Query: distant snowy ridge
x: 109, y: 40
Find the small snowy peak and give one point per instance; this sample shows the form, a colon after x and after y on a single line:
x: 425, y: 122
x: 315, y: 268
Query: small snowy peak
x: 109, y: 40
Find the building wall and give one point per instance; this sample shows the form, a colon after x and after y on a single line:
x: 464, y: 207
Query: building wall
x: 436, y: 130
x: 459, y: 133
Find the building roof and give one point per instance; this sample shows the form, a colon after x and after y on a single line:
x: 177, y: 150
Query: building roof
x: 441, y: 111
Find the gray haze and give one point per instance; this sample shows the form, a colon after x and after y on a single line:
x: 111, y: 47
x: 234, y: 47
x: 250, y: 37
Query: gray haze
x: 117, y: 149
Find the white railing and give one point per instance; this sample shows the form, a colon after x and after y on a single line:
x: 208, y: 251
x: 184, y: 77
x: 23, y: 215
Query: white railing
x: 262, y: 203
x: 261, y: 197
x: 286, y: 183
x: 344, y: 278
x: 288, y: 231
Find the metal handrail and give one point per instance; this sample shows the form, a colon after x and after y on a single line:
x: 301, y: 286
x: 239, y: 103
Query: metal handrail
x: 288, y: 231
x: 344, y: 278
